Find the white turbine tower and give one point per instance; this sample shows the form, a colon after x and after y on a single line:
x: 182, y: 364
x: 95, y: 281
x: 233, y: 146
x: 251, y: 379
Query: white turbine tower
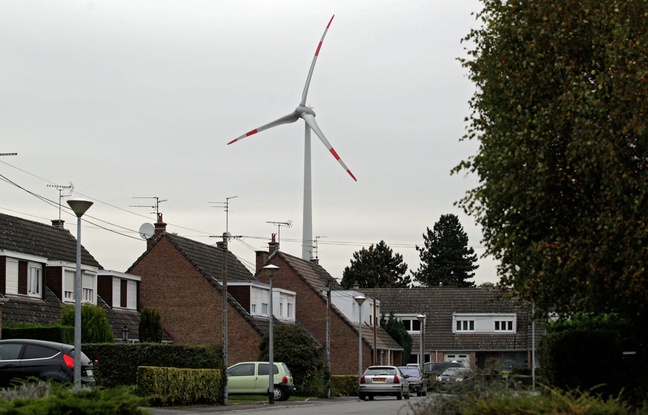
x: 308, y: 115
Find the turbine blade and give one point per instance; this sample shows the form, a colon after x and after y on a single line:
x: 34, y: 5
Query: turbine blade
x: 312, y: 67
x: 310, y: 120
x: 287, y: 119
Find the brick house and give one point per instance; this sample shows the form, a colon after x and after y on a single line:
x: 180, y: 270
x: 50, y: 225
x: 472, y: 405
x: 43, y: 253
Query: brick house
x: 310, y: 281
x: 183, y: 280
x: 37, y: 270
x: 479, y: 326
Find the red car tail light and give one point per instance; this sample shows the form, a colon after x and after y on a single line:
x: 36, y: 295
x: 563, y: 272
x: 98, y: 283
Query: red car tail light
x: 284, y: 379
x: 396, y: 379
x: 362, y: 379
x: 69, y: 361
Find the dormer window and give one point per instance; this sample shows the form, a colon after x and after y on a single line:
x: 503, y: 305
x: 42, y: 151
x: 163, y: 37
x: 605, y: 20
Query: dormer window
x: 24, y: 276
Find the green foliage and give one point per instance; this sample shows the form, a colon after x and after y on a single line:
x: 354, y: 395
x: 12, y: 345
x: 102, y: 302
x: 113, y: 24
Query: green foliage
x: 585, y: 352
x: 293, y: 346
x: 344, y: 385
x: 54, y: 333
x: 397, y: 331
x: 376, y: 267
x: 95, y: 327
x: 150, y: 326
x: 501, y: 402
x: 118, y: 362
x: 165, y: 386
x: 560, y: 110
x: 445, y: 256
x: 59, y: 399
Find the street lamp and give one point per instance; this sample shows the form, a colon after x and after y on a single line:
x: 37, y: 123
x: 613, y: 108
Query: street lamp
x: 79, y: 207
x: 421, y: 319
x: 125, y: 333
x: 360, y: 299
x: 271, y: 270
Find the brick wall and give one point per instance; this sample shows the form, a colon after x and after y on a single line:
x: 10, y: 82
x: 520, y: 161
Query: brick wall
x: 190, y: 307
x: 311, y: 311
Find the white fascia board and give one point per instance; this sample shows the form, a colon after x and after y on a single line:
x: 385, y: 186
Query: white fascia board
x: 20, y: 255
x: 122, y: 275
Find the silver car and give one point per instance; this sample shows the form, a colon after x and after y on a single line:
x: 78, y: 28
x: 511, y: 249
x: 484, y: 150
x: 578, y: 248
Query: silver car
x: 455, y: 375
x: 383, y: 381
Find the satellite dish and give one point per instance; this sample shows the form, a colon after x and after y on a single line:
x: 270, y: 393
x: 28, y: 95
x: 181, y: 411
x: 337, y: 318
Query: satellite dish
x: 146, y: 230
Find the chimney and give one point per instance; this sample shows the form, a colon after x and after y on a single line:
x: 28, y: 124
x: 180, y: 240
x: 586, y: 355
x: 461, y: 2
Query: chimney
x: 58, y: 223
x: 262, y: 257
x: 160, y: 228
x: 273, y: 246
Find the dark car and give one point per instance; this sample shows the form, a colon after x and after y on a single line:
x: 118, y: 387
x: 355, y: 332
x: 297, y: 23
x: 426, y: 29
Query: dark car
x: 417, y: 382
x: 455, y: 375
x: 436, y: 368
x: 26, y: 358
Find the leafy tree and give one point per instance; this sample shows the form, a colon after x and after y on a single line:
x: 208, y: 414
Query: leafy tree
x: 398, y: 332
x: 293, y: 346
x: 560, y: 111
x: 95, y: 327
x: 445, y: 256
x: 150, y: 326
x: 376, y: 267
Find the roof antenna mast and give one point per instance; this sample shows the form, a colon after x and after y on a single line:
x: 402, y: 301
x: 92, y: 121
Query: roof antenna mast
x: 225, y: 205
x: 287, y: 224
x: 156, y: 206
x: 60, y: 189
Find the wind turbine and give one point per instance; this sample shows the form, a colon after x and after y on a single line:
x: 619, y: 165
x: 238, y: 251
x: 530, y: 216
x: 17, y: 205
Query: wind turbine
x: 308, y: 115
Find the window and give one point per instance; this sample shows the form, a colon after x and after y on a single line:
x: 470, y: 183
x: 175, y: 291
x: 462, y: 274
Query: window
x: 35, y: 280
x: 88, y: 288
x: 253, y: 308
x: 465, y: 325
x: 289, y: 310
x: 504, y: 325
x: 412, y: 324
x: 264, y: 309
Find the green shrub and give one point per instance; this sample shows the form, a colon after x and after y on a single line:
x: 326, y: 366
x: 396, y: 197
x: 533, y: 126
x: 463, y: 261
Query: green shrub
x: 117, y: 362
x: 62, y: 400
x: 95, y: 327
x: 150, y: 326
x: 51, y: 332
x: 344, y: 385
x: 294, y: 347
x: 165, y: 386
x: 501, y: 402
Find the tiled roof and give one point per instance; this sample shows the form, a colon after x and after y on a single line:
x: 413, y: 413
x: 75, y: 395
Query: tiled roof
x: 22, y: 309
x: 317, y: 278
x: 34, y: 238
x: 439, y: 304
x: 208, y: 259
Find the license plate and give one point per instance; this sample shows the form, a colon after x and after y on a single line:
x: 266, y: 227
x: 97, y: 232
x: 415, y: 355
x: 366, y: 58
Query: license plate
x: 89, y: 372
x: 378, y: 380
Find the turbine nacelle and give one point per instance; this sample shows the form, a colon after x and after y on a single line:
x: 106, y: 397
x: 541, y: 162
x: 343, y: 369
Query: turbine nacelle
x: 301, y: 110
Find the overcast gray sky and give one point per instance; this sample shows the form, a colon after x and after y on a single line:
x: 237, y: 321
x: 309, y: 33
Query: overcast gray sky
x: 128, y: 98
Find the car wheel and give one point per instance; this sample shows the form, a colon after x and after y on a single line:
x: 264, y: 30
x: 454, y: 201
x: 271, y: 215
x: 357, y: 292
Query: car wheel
x: 279, y: 394
x: 363, y: 397
x: 371, y: 397
x: 399, y: 396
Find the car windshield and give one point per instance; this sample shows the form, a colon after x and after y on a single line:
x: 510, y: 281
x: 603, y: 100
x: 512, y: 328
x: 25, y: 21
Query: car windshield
x: 381, y: 371
x: 410, y: 371
x: 453, y: 371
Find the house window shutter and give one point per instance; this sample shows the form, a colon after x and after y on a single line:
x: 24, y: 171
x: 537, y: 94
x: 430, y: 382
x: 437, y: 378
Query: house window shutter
x: 124, y: 294
x: 22, y: 277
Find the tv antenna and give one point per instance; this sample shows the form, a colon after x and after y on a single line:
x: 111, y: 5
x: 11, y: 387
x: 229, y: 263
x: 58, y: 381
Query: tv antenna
x: 60, y: 189
x: 225, y: 205
x: 8, y: 154
x: 156, y: 206
x: 315, y: 246
x: 287, y: 224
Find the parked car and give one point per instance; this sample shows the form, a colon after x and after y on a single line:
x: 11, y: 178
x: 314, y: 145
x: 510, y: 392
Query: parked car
x: 454, y: 375
x: 253, y: 378
x: 384, y: 380
x: 436, y: 368
x: 26, y: 358
x: 417, y: 382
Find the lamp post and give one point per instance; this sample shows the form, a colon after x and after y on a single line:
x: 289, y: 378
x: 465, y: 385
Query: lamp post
x: 360, y: 299
x: 271, y: 270
x: 125, y: 333
x: 421, y: 319
x: 79, y: 207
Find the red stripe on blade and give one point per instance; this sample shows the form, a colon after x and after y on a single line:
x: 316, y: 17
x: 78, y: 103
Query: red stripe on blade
x: 334, y: 154
x: 251, y: 132
x: 318, y: 49
x: 330, y: 21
